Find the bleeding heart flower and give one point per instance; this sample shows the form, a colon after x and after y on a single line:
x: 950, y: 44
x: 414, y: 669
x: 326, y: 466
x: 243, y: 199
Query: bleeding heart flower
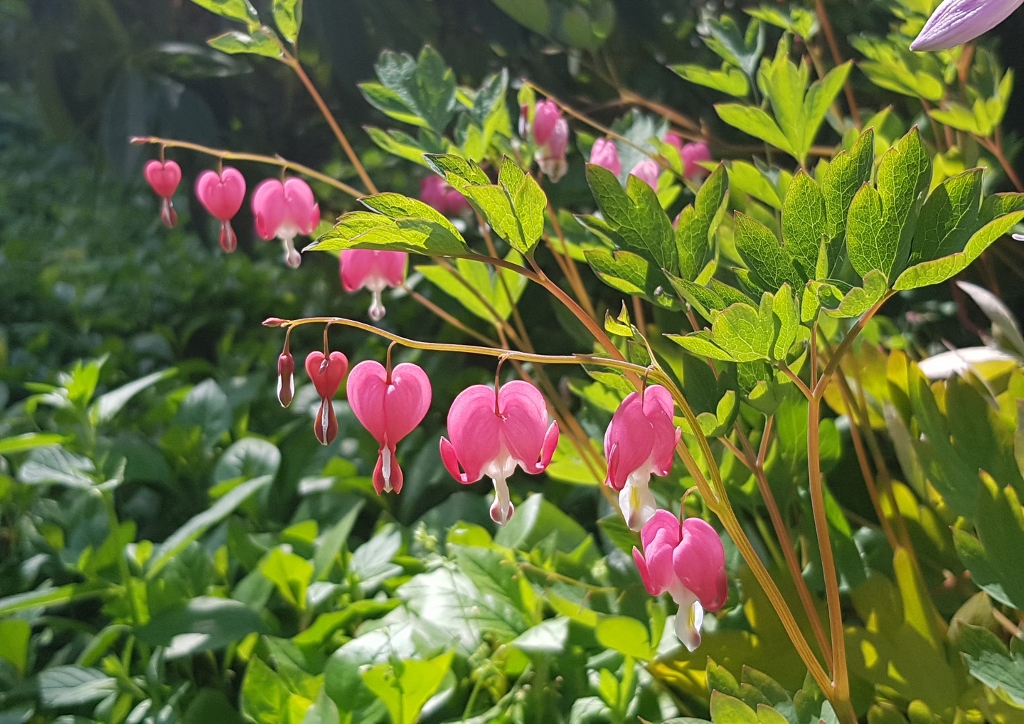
x: 375, y: 271
x: 164, y: 177
x: 648, y: 172
x: 546, y: 116
x: 493, y: 431
x: 606, y: 155
x: 327, y: 372
x: 285, y: 379
x: 389, y: 405
x: 956, y: 22
x: 688, y: 560
x: 693, y: 154
x: 551, y: 155
x: 640, y: 440
x: 285, y: 210
x: 439, y: 194
x: 221, y: 194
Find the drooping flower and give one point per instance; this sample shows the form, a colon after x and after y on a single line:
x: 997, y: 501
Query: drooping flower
x: 389, y: 404
x: 221, y: 193
x: 551, y: 155
x: 285, y: 210
x: 285, y: 378
x: 694, y: 154
x: 640, y: 440
x: 375, y: 271
x: 688, y: 561
x: 606, y: 155
x: 648, y: 172
x: 327, y: 372
x: 546, y: 116
x: 163, y: 178
x: 956, y: 22
x: 439, y: 194
x: 493, y: 431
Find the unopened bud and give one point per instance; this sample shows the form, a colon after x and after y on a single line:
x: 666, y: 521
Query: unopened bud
x: 326, y: 425
x: 285, y: 379
x: 273, y: 322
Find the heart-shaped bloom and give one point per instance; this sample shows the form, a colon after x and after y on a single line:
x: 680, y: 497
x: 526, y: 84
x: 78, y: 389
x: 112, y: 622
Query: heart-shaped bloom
x: 374, y: 271
x: 163, y: 178
x: 640, y: 440
x: 550, y: 156
x: 492, y: 432
x: 439, y: 194
x: 956, y: 22
x: 648, y: 172
x: 221, y: 194
x: 285, y: 210
x: 606, y: 155
x: 688, y: 561
x: 389, y: 405
x: 327, y: 372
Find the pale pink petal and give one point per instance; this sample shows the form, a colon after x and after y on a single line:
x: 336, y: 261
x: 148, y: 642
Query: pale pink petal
x: 269, y: 207
x: 366, y: 389
x: 475, y: 430
x: 628, y: 441
x: 956, y: 22
x: 545, y: 117
x: 699, y: 562
x: 302, y: 211
x: 558, y: 141
x: 648, y: 172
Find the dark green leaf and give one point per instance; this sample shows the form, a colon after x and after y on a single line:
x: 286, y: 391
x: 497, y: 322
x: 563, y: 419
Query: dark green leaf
x: 205, y: 623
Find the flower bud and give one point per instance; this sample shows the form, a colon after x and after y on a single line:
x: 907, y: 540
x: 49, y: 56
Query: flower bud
x: 285, y: 379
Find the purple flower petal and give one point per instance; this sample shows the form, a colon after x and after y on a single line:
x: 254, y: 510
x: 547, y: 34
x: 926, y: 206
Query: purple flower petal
x: 956, y: 22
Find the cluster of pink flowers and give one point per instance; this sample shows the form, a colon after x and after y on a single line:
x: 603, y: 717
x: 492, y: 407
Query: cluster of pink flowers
x: 493, y: 431
x: 606, y: 155
x: 550, y: 132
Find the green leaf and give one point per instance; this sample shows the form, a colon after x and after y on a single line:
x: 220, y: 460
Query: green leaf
x: 799, y: 21
x: 762, y: 253
x: 626, y: 635
x: 859, y: 299
x: 994, y: 557
x: 240, y: 10
x: 423, y: 233
x: 323, y: 711
x: 405, y: 686
x: 804, y: 223
x: 744, y: 332
x: 50, y: 596
x: 628, y: 272
x: 14, y: 638
x: 742, y: 49
x: 288, y: 16
x: 418, y: 91
x: 247, y: 458
x: 258, y: 42
x: 329, y: 545
x: 514, y: 208
x: 787, y: 321
x: 202, y: 522
x: 939, y: 270
x: 73, y: 686
x: 264, y: 694
x: 990, y: 662
x: 757, y: 123
x: 204, y: 623
x: 746, y: 177
x: 109, y: 404
x: 500, y: 289
x: 728, y: 80
x: 697, y: 224
x: 402, y: 144
x: 56, y: 466
x: 881, y: 223
x: 897, y: 68
x: 701, y: 344
x: 948, y: 217
x: 29, y: 441
x: 456, y: 170
x: 726, y: 709
x: 840, y: 182
x: 290, y: 573
x: 636, y: 215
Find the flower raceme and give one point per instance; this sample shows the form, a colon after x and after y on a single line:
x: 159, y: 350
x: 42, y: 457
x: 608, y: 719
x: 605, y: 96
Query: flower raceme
x: 221, y: 194
x: 389, y: 404
x: 640, y: 440
x: 374, y: 271
x: 326, y: 372
x: 687, y: 560
x: 285, y: 210
x: 956, y: 22
x: 163, y: 178
x: 439, y: 194
x: 494, y: 430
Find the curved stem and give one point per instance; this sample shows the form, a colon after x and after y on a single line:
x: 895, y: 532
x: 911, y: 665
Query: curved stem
x: 293, y: 63
x: 254, y: 157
